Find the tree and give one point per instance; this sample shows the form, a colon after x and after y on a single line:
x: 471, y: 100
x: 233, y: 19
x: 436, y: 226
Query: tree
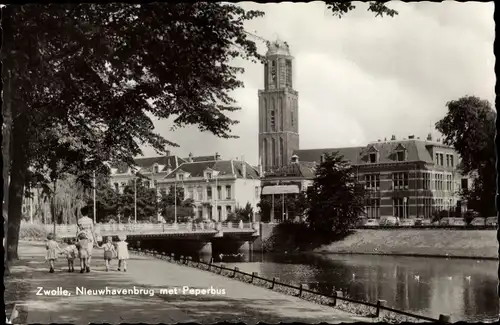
x: 78, y: 78
x: 107, y: 200
x: 339, y: 9
x: 244, y: 214
x: 145, y: 200
x: 335, y: 198
x: 469, y: 126
x: 168, y: 208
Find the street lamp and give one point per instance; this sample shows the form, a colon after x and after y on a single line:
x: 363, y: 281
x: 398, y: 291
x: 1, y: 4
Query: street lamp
x: 135, y: 199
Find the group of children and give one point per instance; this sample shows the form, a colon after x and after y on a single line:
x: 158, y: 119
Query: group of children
x: 79, y: 248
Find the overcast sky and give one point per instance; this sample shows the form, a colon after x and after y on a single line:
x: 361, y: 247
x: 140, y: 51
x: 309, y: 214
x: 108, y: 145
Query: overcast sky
x: 361, y: 78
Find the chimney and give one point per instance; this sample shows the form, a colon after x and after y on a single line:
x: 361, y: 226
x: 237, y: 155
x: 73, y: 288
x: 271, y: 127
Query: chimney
x: 168, y: 153
x: 378, y: 140
x: 190, y: 157
x: 393, y: 137
x: 243, y: 167
x: 429, y: 137
x: 169, y: 167
x: 410, y: 137
x: 217, y: 156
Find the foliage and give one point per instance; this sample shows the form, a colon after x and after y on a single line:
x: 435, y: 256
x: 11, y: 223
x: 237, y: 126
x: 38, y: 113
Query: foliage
x: 379, y: 8
x: 145, y: 201
x: 295, y: 205
x: 469, y: 126
x: 107, y: 202
x: 244, y: 214
x: 335, y: 198
x: 78, y: 78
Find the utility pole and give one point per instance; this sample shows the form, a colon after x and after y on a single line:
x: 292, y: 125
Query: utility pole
x: 175, y: 202
x: 135, y: 199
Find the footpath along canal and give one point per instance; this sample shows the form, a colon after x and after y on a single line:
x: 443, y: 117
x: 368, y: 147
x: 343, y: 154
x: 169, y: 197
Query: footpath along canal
x: 241, y: 302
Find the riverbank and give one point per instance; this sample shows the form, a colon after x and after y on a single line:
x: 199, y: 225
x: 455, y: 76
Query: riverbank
x: 480, y: 244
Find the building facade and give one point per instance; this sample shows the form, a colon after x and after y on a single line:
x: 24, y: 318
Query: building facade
x: 278, y: 109
x: 217, y: 187
x: 406, y: 178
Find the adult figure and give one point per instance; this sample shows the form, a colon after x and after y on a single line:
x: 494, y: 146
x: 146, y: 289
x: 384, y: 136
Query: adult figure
x: 86, y: 225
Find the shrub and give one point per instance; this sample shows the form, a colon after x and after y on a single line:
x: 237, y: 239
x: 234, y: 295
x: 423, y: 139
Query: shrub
x: 33, y: 232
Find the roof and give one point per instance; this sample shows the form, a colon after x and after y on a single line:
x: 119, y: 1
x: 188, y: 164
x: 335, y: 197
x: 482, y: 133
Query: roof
x: 301, y: 169
x: 146, y: 164
x: 201, y: 158
x: 224, y: 167
x: 417, y: 150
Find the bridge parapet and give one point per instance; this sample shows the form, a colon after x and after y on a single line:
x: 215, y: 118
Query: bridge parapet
x: 103, y: 230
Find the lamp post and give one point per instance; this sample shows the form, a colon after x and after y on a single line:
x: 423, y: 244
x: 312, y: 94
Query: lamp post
x: 175, y: 201
x: 95, y: 216
x: 135, y: 199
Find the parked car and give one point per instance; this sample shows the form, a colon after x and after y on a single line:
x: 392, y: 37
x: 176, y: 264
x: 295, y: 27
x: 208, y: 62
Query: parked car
x: 446, y: 222
x: 423, y: 222
x: 371, y: 223
x: 390, y: 221
x: 407, y: 223
x: 491, y: 221
x: 478, y: 222
x: 458, y: 222
x: 360, y: 221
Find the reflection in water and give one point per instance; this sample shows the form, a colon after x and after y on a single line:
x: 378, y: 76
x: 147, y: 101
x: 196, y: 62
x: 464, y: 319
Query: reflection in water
x: 464, y: 289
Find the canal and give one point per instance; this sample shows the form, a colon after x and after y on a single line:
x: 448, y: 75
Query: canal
x: 464, y: 289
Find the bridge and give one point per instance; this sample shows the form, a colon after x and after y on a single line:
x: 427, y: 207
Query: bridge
x: 182, y: 238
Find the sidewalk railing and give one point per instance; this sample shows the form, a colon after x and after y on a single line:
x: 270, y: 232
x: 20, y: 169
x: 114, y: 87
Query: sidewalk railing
x: 380, y: 306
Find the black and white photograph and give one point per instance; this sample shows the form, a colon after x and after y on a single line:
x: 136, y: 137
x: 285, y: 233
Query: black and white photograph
x: 208, y: 162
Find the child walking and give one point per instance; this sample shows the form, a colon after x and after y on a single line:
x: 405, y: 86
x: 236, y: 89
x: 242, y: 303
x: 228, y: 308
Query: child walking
x: 109, y: 252
x: 122, y: 252
x: 83, y: 251
x: 71, y: 252
x: 52, y: 249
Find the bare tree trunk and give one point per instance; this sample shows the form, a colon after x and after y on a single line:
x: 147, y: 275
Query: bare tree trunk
x: 6, y: 155
x: 16, y: 186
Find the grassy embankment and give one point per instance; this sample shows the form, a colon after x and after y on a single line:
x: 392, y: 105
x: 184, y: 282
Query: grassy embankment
x: 415, y: 242
x: 409, y: 242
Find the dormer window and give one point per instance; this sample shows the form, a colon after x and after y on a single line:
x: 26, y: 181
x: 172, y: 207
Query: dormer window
x: 180, y: 177
x: 208, y: 175
x: 155, y: 169
x: 373, y: 158
x: 400, y: 155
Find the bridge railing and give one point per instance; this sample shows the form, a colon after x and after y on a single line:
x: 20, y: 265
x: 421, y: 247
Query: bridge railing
x: 144, y: 228
x: 380, y: 305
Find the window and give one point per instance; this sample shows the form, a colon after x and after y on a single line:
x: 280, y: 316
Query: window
x: 441, y: 159
x: 373, y: 158
x: 273, y: 121
x: 451, y: 160
x: 200, y: 193
x: 228, y: 210
x: 427, y: 181
x: 155, y: 169
x: 372, y: 182
x: 373, y: 209
x: 209, y: 175
x: 288, y: 73
x: 464, y: 184
x: 437, y: 159
x: 200, y: 212
x: 256, y: 192
x: 401, y: 155
x: 400, y: 207
x: 209, y: 192
x: 219, y: 213
x: 292, y: 117
x: 219, y: 192
x: 190, y: 193
x: 228, y: 192
x: 427, y: 208
x: 447, y: 160
x: 180, y: 177
x: 400, y: 181
x: 449, y: 183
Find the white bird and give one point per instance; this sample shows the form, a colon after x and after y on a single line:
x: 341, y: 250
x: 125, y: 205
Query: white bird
x: 221, y: 256
x: 417, y: 277
x: 353, y: 276
x: 449, y: 277
x: 467, y: 278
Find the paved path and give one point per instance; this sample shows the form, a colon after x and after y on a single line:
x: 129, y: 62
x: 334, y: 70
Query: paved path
x: 241, y: 303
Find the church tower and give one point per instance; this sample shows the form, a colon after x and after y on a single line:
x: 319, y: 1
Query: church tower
x: 278, y: 109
